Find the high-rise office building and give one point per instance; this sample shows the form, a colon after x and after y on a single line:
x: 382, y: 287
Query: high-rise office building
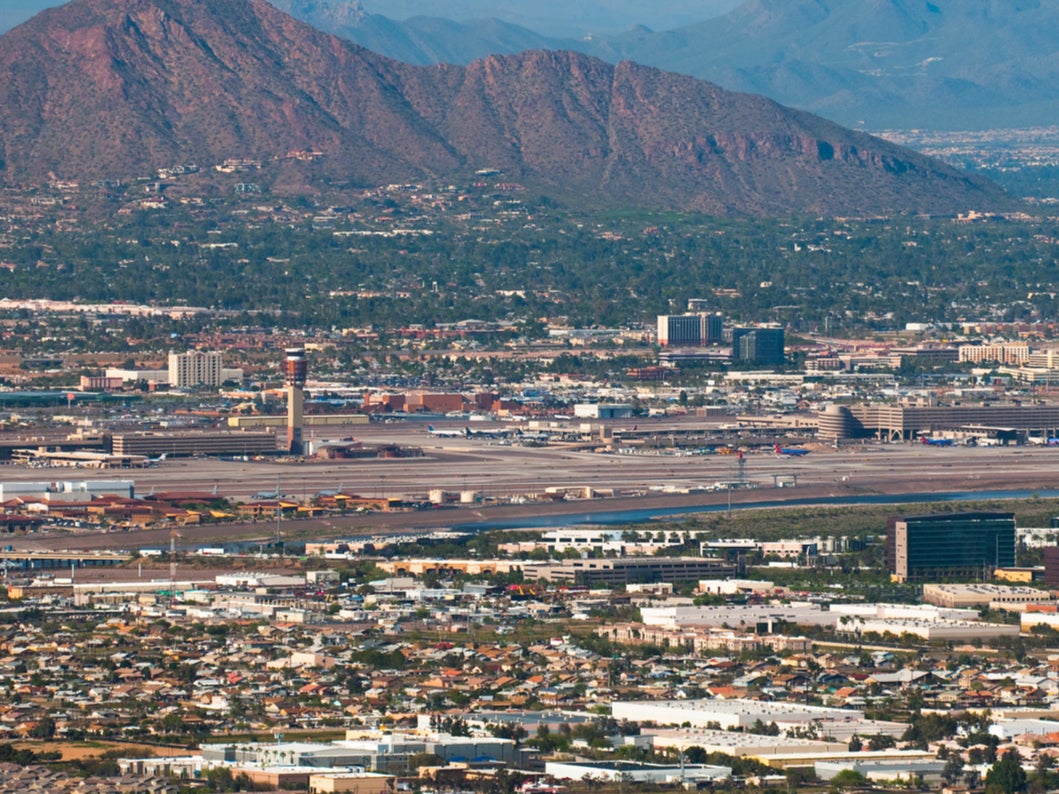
x: 759, y: 345
x: 713, y: 328
x: 1051, y: 565
x: 950, y: 545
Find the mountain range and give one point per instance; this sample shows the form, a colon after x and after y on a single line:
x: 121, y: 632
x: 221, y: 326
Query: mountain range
x: 937, y: 64
x: 118, y: 88
x: 560, y: 17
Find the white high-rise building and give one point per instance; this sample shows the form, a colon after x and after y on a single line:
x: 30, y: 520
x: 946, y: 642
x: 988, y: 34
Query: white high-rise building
x: 195, y: 368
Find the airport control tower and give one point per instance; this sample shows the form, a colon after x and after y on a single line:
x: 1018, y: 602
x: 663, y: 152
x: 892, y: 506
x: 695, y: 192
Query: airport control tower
x: 295, y: 369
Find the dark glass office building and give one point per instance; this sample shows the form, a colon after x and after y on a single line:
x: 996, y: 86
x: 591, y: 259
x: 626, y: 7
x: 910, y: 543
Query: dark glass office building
x: 762, y: 345
x: 950, y: 545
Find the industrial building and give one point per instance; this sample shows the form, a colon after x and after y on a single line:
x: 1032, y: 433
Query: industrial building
x: 993, y: 596
x: 66, y: 490
x: 1039, y: 616
x: 738, y: 745
x: 355, y: 782
x: 754, y: 617
x: 943, y: 545
x: 602, y: 540
x: 914, y: 770
x: 625, y: 571
x: 633, y: 772
x: 933, y: 630
x: 389, y: 754
x: 731, y: 714
x: 392, y: 754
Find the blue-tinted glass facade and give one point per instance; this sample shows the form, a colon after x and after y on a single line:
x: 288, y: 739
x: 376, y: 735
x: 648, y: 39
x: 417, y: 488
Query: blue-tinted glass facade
x: 950, y: 545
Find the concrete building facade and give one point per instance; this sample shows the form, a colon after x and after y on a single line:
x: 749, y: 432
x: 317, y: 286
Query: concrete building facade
x: 906, y: 422
x: 623, y: 571
x: 693, y: 329
x: 195, y: 443
x: 982, y: 595
x: 195, y: 368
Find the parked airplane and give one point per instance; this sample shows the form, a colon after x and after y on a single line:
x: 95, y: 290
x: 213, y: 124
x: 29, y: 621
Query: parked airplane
x: 262, y: 495
x: 447, y: 433
x: 789, y: 452
x: 936, y: 442
x: 501, y: 432
x: 152, y: 462
x: 533, y: 435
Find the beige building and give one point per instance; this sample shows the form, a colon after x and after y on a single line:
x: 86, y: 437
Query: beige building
x: 702, y: 639
x: 195, y: 443
x: 195, y: 368
x: 981, y: 595
x: 1001, y: 354
x: 355, y: 782
x: 199, y: 368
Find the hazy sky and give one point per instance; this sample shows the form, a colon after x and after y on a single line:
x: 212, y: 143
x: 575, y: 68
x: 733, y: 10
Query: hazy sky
x: 12, y: 12
x: 562, y: 17
x: 660, y: 14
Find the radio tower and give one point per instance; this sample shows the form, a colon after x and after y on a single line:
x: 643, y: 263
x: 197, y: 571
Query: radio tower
x: 173, y: 535
x: 295, y: 369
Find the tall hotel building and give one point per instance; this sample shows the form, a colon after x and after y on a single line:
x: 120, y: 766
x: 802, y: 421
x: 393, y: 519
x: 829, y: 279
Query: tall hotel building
x: 195, y: 368
x: 689, y: 330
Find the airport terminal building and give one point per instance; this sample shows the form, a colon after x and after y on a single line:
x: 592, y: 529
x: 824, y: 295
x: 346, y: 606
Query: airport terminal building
x: 906, y: 422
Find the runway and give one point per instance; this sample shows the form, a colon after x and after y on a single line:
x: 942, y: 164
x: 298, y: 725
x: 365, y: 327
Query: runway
x: 507, y: 477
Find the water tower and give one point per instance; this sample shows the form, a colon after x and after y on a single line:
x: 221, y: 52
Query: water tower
x: 295, y: 369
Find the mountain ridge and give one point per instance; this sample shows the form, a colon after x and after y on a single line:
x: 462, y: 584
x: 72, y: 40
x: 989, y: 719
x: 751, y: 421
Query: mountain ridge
x: 104, y: 87
x: 946, y: 64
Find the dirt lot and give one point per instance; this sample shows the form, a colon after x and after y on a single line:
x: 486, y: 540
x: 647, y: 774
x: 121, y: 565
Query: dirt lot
x: 77, y: 751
